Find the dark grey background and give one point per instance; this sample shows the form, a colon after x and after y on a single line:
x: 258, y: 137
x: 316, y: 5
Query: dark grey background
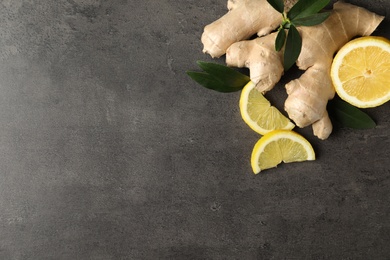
x: 109, y: 151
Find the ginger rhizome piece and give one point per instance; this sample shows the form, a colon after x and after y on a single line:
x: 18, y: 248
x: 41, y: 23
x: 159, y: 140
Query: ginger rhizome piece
x: 259, y: 55
x: 308, y: 95
x: 244, y: 19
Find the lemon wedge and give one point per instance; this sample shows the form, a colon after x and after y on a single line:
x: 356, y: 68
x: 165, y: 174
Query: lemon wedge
x: 258, y: 114
x: 361, y: 71
x: 280, y: 146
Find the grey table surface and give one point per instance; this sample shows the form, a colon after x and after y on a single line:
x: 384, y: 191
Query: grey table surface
x: 108, y: 150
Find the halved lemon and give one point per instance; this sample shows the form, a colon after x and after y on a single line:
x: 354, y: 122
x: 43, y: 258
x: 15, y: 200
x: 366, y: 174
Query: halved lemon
x: 361, y: 71
x: 257, y: 112
x: 280, y: 146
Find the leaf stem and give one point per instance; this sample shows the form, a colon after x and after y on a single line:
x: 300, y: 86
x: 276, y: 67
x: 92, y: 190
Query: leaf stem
x: 303, y: 13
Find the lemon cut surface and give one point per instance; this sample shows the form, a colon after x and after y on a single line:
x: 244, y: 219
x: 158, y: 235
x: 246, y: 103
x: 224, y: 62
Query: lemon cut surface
x: 258, y: 114
x: 280, y: 146
x: 361, y: 71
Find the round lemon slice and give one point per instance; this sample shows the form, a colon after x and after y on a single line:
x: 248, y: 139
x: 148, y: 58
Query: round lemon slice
x: 257, y: 112
x: 361, y: 71
x: 280, y: 146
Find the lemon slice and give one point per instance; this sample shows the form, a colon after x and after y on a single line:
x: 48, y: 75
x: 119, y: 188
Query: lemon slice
x: 257, y: 112
x: 280, y: 145
x: 361, y: 71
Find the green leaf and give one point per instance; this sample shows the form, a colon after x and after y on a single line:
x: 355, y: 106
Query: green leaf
x: 311, y: 20
x: 277, y: 4
x: 349, y: 116
x: 280, y: 40
x: 304, y: 8
x: 293, y: 47
x: 229, y: 76
x: 210, y: 82
x: 219, y: 77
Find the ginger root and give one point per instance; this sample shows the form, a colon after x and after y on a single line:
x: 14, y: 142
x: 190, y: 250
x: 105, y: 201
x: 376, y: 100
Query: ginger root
x: 308, y: 95
x: 244, y: 19
x: 259, y: 55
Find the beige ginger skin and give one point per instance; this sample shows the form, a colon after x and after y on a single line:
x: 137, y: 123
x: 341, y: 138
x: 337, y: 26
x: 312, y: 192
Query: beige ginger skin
x: 244, y: 19
x: 308, y: 95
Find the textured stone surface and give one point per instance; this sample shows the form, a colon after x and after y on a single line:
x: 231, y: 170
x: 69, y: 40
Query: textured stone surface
x: 109, y: 151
